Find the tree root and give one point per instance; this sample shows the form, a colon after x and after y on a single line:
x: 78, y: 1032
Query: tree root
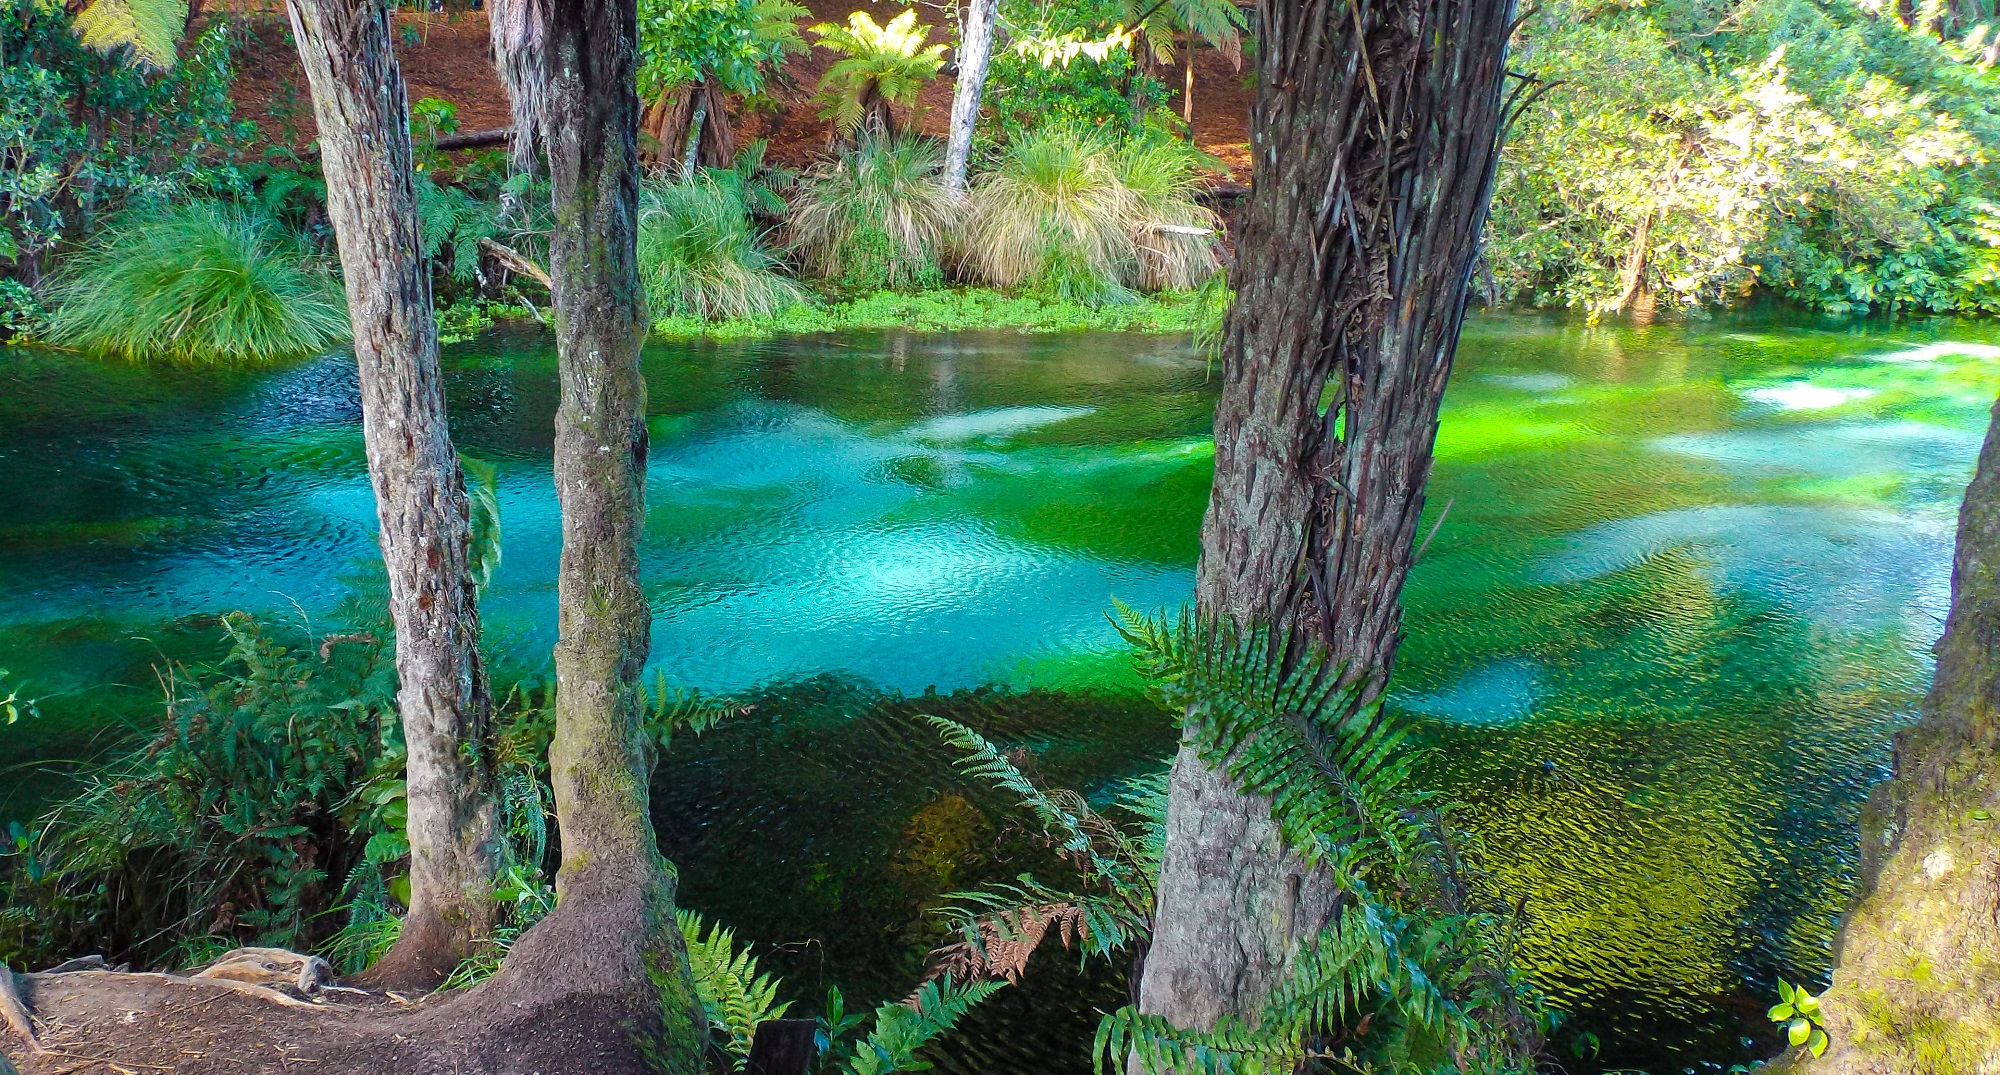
x: 15, y: 1010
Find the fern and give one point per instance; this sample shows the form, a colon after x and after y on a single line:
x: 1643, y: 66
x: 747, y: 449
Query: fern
x: 151, y: 29
x: 901, y: 1030
x: 733, y: 993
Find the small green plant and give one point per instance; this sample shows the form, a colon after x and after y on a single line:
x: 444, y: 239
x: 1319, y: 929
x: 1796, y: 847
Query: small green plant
x: 875, y: 216
x: 880, y: 66
x: 733, y: 991
x: 700, y: 256
x: 1798, y: 1012
x: 199, y: 282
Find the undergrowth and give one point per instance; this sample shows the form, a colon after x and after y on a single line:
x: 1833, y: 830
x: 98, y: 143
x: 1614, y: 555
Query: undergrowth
x: 951, y: 310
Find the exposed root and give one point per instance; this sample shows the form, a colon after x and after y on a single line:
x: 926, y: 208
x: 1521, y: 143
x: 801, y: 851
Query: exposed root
x: 15, y: 1010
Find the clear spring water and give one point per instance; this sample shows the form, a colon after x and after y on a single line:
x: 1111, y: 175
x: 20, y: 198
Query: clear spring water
x: 1682, y: 595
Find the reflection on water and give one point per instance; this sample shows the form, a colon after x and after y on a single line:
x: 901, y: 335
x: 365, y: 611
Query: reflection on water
x: 1683, y: 592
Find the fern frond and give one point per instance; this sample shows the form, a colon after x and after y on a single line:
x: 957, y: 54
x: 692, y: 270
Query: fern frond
x: 150, y: 28
x: 733, y: 992
x: 900, y: 1030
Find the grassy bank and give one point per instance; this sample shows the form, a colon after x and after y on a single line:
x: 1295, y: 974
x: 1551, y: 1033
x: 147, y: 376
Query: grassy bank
x: 951, y: 311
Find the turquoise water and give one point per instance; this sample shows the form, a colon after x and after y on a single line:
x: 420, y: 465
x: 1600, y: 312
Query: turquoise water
x: 1683, y: 592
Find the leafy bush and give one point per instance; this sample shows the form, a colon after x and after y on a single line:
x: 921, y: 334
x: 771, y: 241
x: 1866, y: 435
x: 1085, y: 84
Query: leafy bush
x: 1052, y: 216
x: 201, y: 282
x: 701, y: 257
x: 876, y: 216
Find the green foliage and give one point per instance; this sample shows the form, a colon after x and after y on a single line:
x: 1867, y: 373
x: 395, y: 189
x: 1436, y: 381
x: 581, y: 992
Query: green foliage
x: 198, y: 283
x: 1067, y: 214
x: 86, y: 134
x: 145, y: 31
x: 875, y: 216
x: 900, y: 1030
x: 229, y: 823
x: 736, y: 42
x: 1821, y: 151
x: 951, y: 310
x: 1414, y: 974
x: 879, y: 66
x: 734, y: 993
x: 1798, y: 1012
x: 701, y: 257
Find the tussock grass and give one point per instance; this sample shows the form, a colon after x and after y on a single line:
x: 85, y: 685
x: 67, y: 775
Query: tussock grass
x: 196, y: 283
x: 1174, y: 235
x: 876, y: 216
x: 701, y: 257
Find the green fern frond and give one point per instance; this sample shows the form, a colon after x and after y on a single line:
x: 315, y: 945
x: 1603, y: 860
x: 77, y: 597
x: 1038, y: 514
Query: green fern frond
x: 901, y: 1030
x: 151, y: 29
x: 733, y: 992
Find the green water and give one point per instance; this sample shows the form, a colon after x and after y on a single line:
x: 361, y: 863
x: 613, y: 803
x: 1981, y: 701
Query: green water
x: 1683, y: 592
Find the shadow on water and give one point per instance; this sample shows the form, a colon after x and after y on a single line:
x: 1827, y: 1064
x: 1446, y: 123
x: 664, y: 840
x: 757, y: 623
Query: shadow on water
x: 1683, y: 593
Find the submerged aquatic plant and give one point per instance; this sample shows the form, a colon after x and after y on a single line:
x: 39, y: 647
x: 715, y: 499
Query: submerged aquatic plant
x: 876, y: 216
x: 701, y: 256
x: 200, y: 282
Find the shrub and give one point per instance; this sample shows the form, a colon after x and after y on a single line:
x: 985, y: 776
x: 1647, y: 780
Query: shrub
x: 874, y: 217
x: 200, y: 282
x: 700, y: 256
x: 1053, y: 217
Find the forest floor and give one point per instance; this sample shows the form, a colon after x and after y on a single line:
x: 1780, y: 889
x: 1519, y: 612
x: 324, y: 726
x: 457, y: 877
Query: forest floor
x: 446, y: 56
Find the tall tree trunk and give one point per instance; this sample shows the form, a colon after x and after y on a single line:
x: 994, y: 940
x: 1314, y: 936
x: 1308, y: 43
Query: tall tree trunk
x: 610, y: 954
x: 364, y: 135
x: 975, y: 48
x: 1372, y: 173
x: 1930, y: 855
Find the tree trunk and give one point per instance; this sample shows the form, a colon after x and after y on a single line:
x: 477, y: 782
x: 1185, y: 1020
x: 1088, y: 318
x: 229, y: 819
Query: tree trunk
x: 975, y: 47
x: 364, y: 134
x: 1930, y: 862
x: 610, y: 954
x: 1372, y: 173
x: 1187, y: 88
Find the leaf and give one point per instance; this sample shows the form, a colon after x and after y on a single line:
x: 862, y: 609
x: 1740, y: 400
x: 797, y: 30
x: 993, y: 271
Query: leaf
x: 1798, y: 1031
x: 1781, y: 1012
x: 1806, y: 1003
x: 1818, y: 1042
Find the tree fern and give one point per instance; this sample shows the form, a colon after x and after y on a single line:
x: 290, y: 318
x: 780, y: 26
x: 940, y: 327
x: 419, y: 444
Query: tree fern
x: 150, y: 29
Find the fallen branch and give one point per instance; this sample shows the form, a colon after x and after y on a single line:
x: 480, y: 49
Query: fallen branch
x: 16, y: 1010
x: 518, y: 262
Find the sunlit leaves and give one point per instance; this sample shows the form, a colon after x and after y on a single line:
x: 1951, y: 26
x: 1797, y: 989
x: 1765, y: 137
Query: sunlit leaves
x: 149, y: 28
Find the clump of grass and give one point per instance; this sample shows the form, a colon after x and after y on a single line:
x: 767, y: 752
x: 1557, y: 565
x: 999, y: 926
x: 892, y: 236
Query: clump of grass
x: 1051, y: 217
x: 199, y: 282
x: 876, y: 216
x: 1174, y: 235
x: 701, y: 257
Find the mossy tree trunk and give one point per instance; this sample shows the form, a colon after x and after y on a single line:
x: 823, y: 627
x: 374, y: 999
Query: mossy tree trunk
x: 1916, y: 988
x: 610, y: 957
x: 364, y: 136
x: 1372, y: 170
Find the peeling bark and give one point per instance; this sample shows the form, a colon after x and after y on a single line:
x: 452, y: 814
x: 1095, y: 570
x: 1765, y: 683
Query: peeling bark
x: 1372, y: 171
x: 420, y: 497
x: 1916, y: 987
x: 975, y: 48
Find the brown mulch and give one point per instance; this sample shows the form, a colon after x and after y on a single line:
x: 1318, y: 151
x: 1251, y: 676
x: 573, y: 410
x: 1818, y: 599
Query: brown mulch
x: 446, y: 55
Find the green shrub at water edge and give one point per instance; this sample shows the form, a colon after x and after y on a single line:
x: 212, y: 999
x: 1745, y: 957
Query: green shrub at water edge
x: 700, y: 256
x: 1052, y: 217
x: 951, y: 310
x: 200, y: 282
x: 876, y: 216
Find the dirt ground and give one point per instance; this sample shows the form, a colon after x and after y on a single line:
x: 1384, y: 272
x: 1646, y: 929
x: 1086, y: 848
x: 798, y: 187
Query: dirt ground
x: 445, y: 55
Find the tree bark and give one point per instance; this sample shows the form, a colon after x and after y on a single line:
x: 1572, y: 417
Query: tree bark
x: 610, y: 950
x: 975, y: 48
x: 1930, y: 889
x: 420, y: 497
x: 1187, y: 88
x: 1372, y: 172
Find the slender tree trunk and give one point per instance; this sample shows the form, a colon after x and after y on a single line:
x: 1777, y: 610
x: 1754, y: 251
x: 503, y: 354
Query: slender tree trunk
x: 364, y: 135
x: 975, y: 47
x: 1930, y: 856
x: 610, y: 954
x: 1372, y: 173
x: 1187, y: 88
